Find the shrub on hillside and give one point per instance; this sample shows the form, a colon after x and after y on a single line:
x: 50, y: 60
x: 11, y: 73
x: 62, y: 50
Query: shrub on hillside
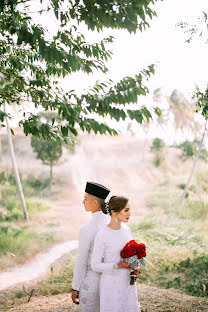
x: 157, y: 148
x: 192, y: 276
x: 37, y: 184
x: 158, y: 160
x: 157, y: 145
x: 189, y: 150
x: 10, y: 205
x: 6, y: 176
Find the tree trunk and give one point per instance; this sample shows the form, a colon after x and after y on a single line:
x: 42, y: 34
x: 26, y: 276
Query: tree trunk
x: 51, y: 173
x: 16, y: 173
x: 194, y: 164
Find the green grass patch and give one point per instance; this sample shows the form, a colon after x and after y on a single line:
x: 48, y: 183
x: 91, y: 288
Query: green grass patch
x: 11, y: 209
x: 34, y: 184
x: 176, y: 237
x: 16, y: 240
x: 10, y: 204
x: 191, y: 276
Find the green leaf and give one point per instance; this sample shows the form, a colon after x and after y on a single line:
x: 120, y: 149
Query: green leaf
x: 12, y: 132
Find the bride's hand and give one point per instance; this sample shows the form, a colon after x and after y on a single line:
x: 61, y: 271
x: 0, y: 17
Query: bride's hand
x: 123, y: 265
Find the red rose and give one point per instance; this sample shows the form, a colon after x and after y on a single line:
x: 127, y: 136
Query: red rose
x: 141, y: 251
x: 127, y: 252
x: 122, y: 254
x: 133, y: 251
x: 131, y: 242
x: 133, y: 248
x: 141, y: 255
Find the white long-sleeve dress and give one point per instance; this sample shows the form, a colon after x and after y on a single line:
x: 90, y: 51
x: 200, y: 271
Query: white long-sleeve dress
x: 116, y: 293
x: 85, y: 280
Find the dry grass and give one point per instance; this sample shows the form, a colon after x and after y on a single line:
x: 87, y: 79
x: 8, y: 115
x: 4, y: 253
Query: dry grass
x: 151, y: 299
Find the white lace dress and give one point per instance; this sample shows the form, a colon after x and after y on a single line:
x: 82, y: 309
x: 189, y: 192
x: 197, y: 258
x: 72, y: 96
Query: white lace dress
x: 116, y: 293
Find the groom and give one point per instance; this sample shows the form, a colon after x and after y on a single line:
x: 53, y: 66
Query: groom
x: 85, y: 284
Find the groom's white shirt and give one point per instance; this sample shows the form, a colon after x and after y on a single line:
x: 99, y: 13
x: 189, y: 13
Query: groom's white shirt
x: 86, y: 237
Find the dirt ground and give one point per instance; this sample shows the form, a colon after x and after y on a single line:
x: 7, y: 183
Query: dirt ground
x: 151, y: 299
x: 125, y: 165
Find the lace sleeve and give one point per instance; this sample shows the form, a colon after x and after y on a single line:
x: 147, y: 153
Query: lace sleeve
x: 98, y: 254
x: 82, y: 258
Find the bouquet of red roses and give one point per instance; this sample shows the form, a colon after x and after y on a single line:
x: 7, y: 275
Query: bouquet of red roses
x: 133, y: 253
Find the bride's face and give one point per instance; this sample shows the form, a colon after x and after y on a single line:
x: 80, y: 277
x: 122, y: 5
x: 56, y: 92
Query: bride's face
x: 124, y: 214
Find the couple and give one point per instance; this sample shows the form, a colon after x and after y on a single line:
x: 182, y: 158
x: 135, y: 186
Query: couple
x: 101, y: 281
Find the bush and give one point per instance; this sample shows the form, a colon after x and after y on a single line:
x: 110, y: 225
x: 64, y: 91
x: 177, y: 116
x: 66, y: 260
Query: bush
x: 38, y: 184
x: 7, y: 177
x: 192, y: 276
x: 189, y: 150
x: 157, y: 148
x: 182, y: 186
x: 157, y: 145
x: 158, y: 160
x: 2, y: 177
x: 203, y: 154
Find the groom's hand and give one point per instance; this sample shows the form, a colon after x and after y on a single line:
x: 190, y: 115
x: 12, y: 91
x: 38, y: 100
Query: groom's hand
x: 75, y: 296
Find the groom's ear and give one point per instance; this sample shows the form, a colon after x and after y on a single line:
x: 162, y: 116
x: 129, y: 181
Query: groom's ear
x: 95, y: 202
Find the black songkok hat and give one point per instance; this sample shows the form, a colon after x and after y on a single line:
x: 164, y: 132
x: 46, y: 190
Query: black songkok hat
x: 97, y: 190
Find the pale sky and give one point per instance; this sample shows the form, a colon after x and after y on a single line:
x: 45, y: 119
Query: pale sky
x: 180, y: 65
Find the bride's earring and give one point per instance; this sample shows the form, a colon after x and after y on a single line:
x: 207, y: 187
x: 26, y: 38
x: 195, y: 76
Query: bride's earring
x: 116, y: 219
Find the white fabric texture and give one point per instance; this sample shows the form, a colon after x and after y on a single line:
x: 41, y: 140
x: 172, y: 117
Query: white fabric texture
x: 85, y: 280
x: 116, y: 293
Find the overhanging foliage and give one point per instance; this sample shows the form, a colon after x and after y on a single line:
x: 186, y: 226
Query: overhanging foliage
x: 31, y: 63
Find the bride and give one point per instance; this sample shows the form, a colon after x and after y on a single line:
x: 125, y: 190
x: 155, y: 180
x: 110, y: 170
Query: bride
x: 116, y: 293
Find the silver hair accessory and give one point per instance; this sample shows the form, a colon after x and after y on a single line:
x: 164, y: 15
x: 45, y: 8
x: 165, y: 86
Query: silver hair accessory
x: 116, y: 219
x: 107, y: 208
